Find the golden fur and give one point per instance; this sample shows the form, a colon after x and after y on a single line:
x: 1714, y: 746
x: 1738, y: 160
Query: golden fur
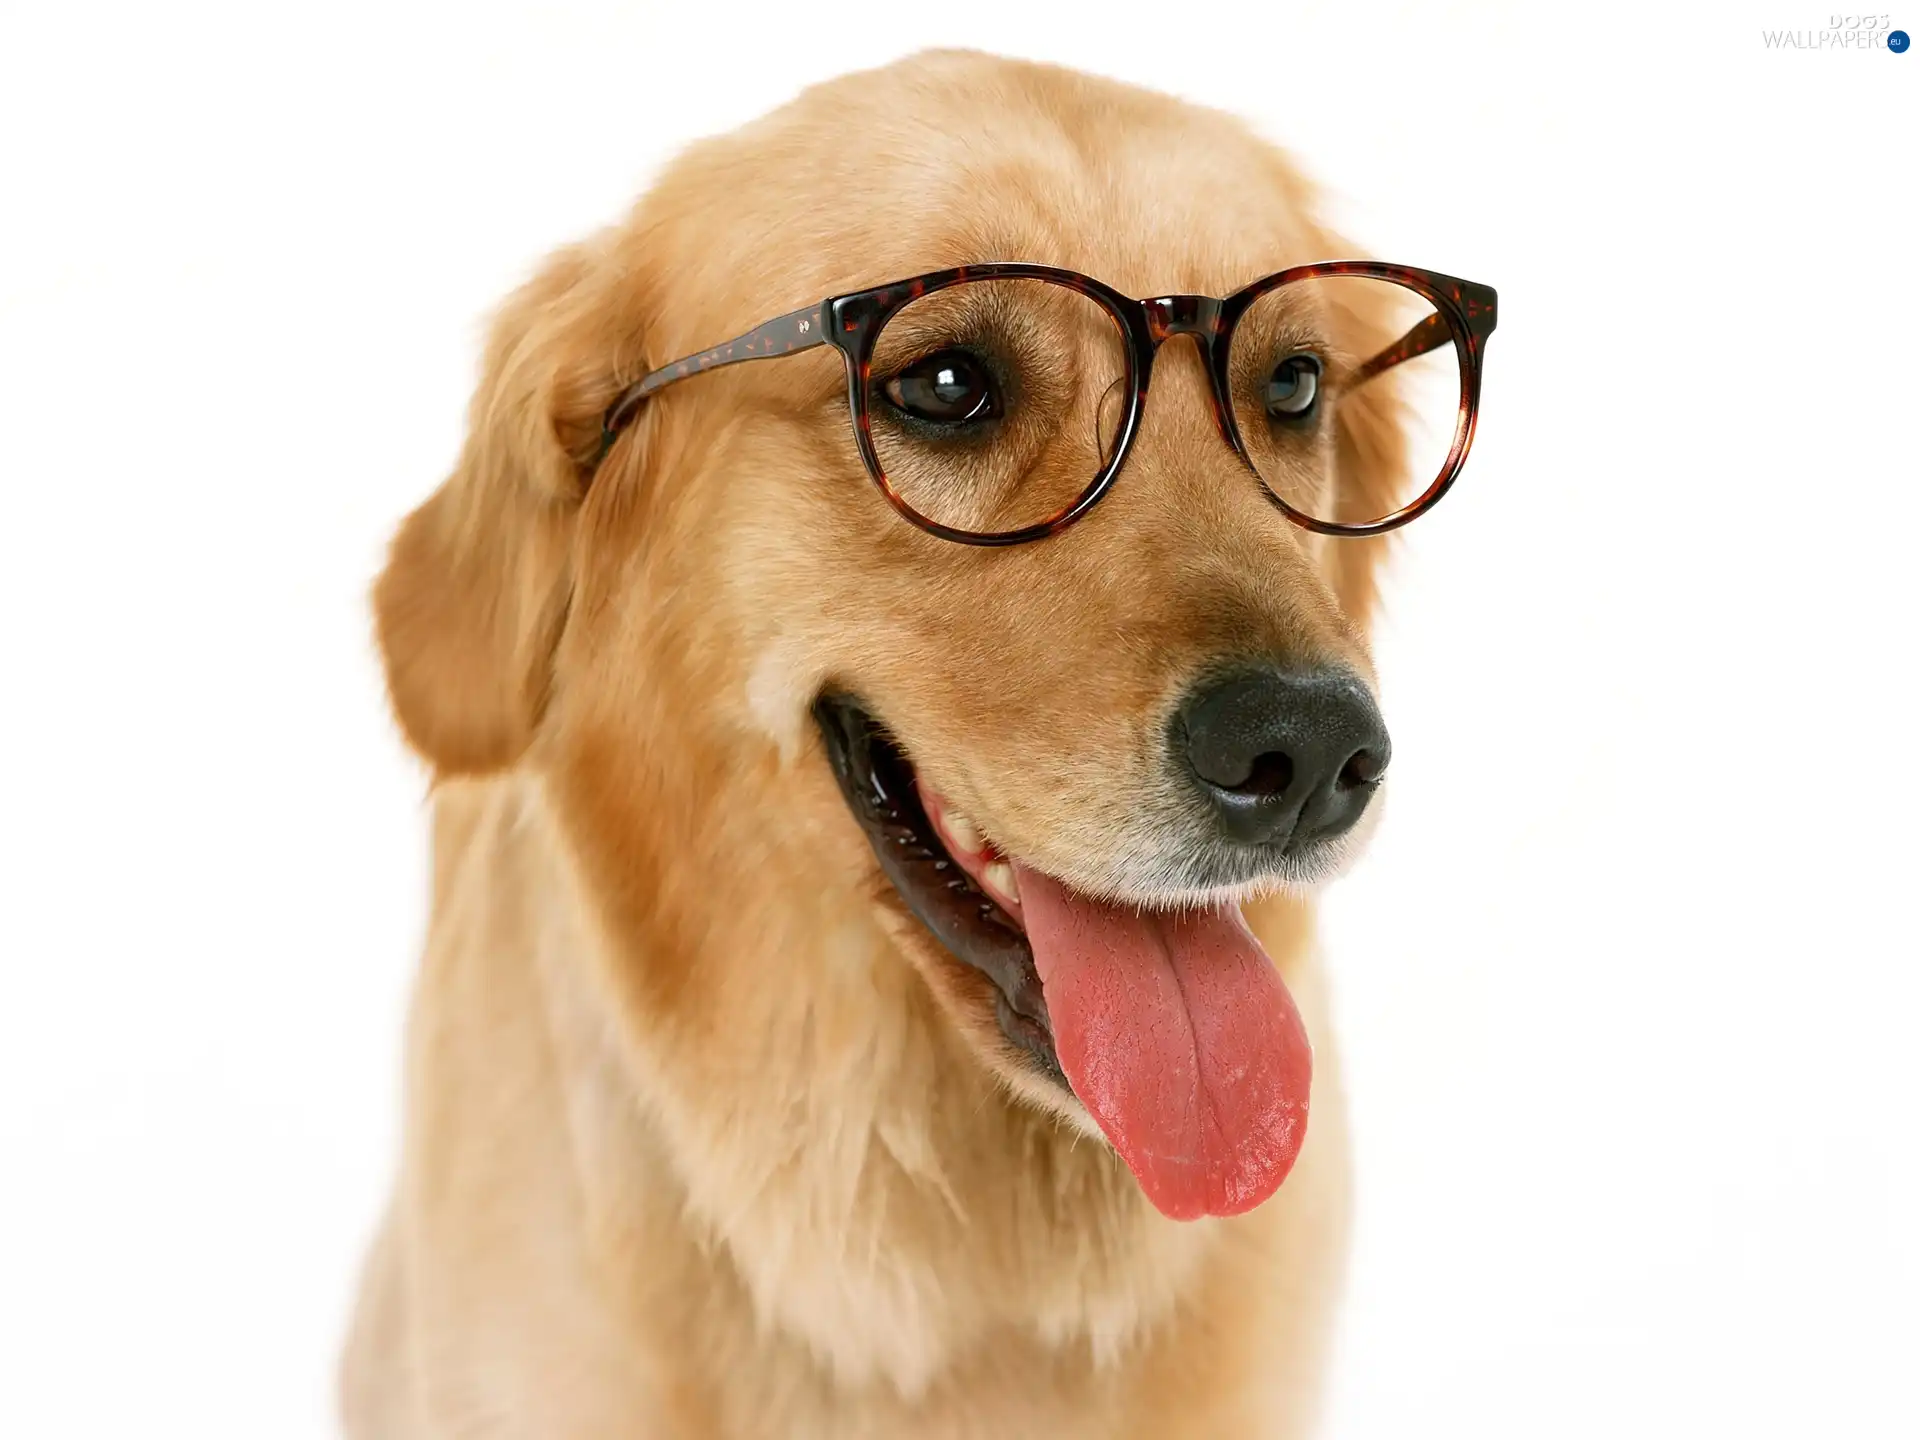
x: 704, y: 1135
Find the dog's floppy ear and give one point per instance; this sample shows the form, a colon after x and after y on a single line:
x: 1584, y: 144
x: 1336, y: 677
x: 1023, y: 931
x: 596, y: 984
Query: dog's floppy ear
x: 477, y: 582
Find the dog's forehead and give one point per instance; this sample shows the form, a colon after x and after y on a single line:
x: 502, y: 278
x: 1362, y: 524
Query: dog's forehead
x: 945, y: 160
x: 1154, y: 210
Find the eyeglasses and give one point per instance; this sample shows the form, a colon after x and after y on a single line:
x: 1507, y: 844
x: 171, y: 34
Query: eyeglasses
x: 996, y: 404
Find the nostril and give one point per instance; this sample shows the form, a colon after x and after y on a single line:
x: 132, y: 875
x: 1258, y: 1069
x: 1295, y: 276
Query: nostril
x: 1272, y: 773
x: 1282, y: 756
x: 1363, y: 767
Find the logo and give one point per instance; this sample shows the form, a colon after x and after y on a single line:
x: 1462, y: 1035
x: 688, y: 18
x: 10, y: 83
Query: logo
x: 1843, y: 32
x: 806, y: 325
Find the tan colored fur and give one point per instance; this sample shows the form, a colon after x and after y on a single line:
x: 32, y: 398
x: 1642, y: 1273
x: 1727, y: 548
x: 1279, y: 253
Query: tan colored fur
x: 705, y: 1136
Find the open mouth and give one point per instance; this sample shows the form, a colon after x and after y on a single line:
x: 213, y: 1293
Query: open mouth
x: 1172, y: 1027
x: 879, y: 786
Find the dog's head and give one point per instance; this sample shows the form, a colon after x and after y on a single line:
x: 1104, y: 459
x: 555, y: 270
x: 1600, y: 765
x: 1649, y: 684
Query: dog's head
x: 820, y: 769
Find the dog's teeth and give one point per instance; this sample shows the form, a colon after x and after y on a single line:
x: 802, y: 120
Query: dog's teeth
x: 962, y: 831
x: 999, y: 877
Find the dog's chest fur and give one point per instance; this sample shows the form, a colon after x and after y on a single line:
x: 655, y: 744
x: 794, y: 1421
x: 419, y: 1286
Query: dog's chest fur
x: 858, y: 1237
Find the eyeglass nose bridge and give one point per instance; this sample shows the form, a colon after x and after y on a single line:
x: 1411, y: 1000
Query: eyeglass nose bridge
x: 1200, y: 317
x: 1170, y: 315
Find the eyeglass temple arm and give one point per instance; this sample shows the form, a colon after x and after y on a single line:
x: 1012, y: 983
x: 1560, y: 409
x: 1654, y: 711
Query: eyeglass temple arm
x: 1431, y: 333
x: 785, y: 335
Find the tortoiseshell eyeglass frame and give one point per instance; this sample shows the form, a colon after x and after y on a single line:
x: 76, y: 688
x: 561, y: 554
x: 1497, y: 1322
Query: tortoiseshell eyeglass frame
x: 1463, y: 314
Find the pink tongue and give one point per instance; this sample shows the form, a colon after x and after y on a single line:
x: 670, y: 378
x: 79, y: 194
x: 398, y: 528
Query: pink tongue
x: 1178, y: 1035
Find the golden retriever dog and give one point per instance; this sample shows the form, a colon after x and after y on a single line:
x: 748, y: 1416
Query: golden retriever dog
x: 870, y: 977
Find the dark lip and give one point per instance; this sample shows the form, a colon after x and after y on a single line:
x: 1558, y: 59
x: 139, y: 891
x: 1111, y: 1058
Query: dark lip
x: 877, y: 781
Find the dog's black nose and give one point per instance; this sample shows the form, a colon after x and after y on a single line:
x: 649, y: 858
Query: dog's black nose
x: 1283, y: 757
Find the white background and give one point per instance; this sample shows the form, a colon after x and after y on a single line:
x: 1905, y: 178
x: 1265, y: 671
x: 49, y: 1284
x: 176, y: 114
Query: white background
x: 1628, y: 984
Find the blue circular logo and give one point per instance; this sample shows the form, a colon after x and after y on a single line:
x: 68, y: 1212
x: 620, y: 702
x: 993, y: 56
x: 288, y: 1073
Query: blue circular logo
x: 1897, y: 41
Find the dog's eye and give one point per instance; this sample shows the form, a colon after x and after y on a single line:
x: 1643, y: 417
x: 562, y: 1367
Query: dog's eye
x: 949, y: 387
x: 1293, y: 387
